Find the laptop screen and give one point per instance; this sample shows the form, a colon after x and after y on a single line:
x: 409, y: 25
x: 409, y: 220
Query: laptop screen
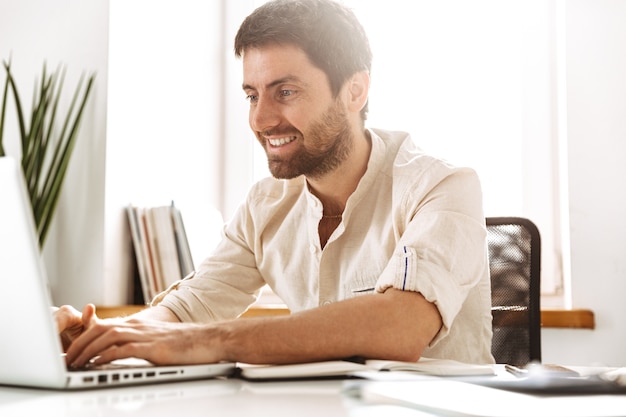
x: 31, y: 347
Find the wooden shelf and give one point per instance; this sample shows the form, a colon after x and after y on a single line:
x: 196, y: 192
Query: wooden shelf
x: 106, y: 312
x: 254, y: 311
x: 570, y: 319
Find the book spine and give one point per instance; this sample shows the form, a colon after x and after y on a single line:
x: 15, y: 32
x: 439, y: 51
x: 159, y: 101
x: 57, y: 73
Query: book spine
x: 142, y: 262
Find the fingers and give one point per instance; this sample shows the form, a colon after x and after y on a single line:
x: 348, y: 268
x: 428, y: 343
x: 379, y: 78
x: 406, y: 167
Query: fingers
x: 89, y: 315
x: 66, y: 317
x: 126, y: 350
x: 84, y: 347
x: 105, y: 340
x: 88, y: 319
x: 103, y: 337
x: 69, y: 324
x: 96, y: 336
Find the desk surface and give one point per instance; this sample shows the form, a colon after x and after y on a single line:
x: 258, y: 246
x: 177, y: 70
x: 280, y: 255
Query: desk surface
x: 218, y: 397
x: 236, y: 397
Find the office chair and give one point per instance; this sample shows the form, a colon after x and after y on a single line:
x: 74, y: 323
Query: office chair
x: 514, y: 247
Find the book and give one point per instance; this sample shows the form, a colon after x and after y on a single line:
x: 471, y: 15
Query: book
x: 164, y: 244
x: 139, y: 246
x: 182, y: 243
x: 343, y: 368
x: 161, y: 248
x: 147, y: 252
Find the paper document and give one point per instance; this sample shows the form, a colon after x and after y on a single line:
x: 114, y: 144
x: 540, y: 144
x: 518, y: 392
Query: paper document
x: 339, y: 368
x: 444, y: 396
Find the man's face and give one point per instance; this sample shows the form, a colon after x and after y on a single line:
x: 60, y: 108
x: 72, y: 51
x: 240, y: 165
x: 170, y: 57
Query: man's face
x: 303, y: 129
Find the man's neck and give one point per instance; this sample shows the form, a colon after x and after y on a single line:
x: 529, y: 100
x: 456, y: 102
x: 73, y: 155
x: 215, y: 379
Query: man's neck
x: 334, y: 188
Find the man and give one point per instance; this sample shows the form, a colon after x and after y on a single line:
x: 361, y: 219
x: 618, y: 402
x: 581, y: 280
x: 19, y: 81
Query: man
x: 378, y: 249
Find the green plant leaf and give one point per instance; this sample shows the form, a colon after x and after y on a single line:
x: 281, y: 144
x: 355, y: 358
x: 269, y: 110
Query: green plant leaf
x: 18, y: 104
x: 3, y: 110
x: 50, y: 195
x: 32, y: 157
x: 56, y: 95
x: 46, y: 154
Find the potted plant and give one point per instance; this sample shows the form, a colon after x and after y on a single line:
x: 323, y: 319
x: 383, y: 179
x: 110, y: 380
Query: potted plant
x: 45, y: 144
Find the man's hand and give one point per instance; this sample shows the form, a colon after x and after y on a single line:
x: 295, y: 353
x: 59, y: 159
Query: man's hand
x: 148, y: 334
x: 71, y: 323
x: 159, y: 342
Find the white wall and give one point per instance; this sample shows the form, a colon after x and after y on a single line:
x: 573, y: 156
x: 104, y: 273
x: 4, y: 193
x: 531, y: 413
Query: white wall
x: 74, y: 33
x: 596, y: 125
x: 165, y: 124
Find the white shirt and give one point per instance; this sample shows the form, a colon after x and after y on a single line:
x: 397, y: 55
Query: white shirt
x: 414, y: 223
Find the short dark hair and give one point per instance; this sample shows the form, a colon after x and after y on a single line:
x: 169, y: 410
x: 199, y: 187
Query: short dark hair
x: 327, y: 31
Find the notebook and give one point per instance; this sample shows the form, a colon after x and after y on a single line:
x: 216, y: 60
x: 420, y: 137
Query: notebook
x: 369, y: 369
x: 30, y: 352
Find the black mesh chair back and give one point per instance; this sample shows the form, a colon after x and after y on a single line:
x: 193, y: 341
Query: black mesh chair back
x: 515, y: 263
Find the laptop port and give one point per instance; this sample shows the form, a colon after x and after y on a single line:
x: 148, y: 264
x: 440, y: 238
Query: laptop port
x: 168, y: 373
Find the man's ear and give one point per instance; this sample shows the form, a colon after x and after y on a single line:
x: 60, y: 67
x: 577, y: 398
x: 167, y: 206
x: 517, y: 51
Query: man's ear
x: 357, y: 91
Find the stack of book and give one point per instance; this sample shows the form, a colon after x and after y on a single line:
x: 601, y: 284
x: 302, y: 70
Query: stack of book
x: 161, y: 247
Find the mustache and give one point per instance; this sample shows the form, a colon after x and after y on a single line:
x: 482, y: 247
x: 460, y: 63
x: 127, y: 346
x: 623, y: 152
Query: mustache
x: 282, y: 131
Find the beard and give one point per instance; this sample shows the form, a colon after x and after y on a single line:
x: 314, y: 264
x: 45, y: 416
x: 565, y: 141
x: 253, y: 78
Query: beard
x: 325, y: 145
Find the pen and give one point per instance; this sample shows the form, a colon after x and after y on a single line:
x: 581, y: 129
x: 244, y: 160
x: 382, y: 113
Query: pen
x: 542, y: 370
x: 515, y: 370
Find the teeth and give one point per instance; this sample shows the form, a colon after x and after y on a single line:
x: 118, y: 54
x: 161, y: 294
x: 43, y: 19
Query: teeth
x: 281, y: 141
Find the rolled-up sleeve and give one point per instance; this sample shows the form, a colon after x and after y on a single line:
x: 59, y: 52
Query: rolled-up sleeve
x: 226, y: 283
x: 442, y: 251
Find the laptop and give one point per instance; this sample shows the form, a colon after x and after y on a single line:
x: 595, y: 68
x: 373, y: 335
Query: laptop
x: 31, y: 353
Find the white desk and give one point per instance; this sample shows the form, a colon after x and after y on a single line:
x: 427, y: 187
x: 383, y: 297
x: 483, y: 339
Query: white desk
x: 189, y: 399
x: 233, y: 397
x: 196, y: 398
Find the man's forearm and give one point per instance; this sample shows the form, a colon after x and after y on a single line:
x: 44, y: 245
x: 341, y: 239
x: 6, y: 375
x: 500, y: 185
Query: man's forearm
x: 396, y: 325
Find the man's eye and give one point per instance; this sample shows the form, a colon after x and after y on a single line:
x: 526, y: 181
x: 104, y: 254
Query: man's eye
x: 286, y: 93
x: 252, y: 98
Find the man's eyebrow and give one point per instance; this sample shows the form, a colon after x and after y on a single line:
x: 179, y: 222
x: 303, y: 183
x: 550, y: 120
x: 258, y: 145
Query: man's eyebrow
x: 283, y: 80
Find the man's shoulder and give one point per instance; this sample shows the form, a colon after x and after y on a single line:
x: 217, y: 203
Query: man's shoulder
x: 415, y: 171
x: 404, y: 155
x: 393, y: 139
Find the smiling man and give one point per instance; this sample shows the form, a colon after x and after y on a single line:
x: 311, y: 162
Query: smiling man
x: 377, y: 248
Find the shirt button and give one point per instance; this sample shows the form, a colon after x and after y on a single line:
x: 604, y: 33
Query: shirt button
x: 312, y: 248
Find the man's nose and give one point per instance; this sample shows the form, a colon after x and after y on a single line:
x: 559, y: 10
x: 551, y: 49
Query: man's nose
x: 264, y: 115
